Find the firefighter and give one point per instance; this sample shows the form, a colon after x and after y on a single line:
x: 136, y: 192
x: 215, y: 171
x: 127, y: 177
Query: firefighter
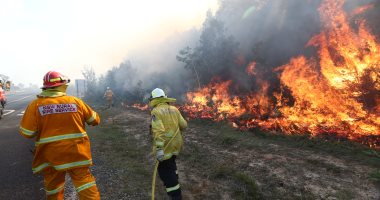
x: 109, y: 97
x: 166, y: 126
x: 57, y: 122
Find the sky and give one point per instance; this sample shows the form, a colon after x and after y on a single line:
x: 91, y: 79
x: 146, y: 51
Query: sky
x: 37, y: 36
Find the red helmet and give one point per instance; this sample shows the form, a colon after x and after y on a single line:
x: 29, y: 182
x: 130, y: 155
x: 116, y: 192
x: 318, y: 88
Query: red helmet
x: 54, y: 79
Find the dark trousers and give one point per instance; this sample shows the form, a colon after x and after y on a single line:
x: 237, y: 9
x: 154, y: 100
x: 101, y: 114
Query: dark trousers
x: 167, y: 170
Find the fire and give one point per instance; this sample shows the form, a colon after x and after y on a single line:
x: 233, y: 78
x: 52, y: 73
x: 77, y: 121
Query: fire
x: 214, y: 102
x: 336, y: 93
x: 251, y: 68
x: 140, y: 106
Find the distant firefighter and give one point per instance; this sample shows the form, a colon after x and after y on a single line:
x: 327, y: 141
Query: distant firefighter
x: 109, y: 97
x: 57, y: 122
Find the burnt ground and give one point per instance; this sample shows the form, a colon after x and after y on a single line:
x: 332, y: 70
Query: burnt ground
x: 219, y: 162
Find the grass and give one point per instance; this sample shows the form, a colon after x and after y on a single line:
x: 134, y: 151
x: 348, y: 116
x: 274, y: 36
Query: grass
x: 229, y: 137
x: 240, y: 184
x: 220, y: 169
x: 375, y: 177
x: 257, y: 140
x: 329, y: 167
x: 344, y: 195
x: 243, y: 186
x: 121, y: 151
x: 217, y: 172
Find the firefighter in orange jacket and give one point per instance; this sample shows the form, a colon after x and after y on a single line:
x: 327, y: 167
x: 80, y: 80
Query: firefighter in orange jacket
x: 57, y: 122
x: 167, y: 124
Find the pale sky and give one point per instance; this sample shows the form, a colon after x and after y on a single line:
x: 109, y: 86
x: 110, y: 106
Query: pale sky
x: 65, y: 35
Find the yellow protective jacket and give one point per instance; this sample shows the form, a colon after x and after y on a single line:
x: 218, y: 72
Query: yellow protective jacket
x: 167, y: 122
x: 108, y: 94
x: 57, y: 122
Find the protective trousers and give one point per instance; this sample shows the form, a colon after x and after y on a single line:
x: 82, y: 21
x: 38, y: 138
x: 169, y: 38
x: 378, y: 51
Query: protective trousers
x: 167, y: 170
x: 110, y: 102
x: 82, y: 179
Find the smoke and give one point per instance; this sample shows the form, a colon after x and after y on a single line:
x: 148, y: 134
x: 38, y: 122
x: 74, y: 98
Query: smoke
x: 266, y: 32
x: 151, y: 66
x: 157, y: 65
x: 373, y: 17
x: 274, y: 30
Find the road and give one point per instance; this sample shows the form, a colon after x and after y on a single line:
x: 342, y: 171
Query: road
x: 16, y: 178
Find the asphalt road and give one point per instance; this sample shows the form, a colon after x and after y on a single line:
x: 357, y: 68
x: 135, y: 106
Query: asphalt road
x: 16, y: 178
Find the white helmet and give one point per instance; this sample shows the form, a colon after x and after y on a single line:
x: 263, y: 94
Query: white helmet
x: 157, y: 93
x: 108, y: 88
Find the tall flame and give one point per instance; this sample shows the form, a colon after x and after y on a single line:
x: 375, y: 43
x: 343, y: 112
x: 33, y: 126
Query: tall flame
x: 337, y: 93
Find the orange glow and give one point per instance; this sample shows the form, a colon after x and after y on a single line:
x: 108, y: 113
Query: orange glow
x: 362, y: 9
x: 251, y: 68
x: 140, y: 106
x: 335, y: 93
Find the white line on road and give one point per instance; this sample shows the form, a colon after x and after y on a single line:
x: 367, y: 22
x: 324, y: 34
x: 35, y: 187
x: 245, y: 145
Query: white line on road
x: 21, y: 99
x: 21, y: 114
x: 7, y: 112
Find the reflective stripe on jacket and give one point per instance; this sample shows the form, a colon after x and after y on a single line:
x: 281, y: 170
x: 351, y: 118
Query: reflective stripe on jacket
x: 167, y: 122
x: 57, y: 122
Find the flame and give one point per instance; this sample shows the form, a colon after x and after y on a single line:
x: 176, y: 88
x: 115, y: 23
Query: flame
x: 336, y: 93
x: 140, y: 106
x: 214, y: 102
x: 251, y: 68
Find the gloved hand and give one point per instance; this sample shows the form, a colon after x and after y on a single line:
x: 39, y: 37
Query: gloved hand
x: 160, y: 155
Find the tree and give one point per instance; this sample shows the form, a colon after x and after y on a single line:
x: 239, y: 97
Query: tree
x: 91, y: 81
x: 214, y: 55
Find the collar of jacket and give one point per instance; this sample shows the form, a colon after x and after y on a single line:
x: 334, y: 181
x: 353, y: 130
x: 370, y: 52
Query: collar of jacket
x: 51, y: 93
x: 161, y: 100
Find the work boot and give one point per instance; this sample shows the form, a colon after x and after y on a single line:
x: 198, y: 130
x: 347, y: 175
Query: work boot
x: 176, y: 197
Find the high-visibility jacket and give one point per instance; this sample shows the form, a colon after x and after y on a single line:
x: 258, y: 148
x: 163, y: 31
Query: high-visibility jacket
x: 167, y: 122
x: 108, y: 94
x: 57, y: 122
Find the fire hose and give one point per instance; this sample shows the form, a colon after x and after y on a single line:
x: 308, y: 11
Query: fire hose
x: 156, y: 167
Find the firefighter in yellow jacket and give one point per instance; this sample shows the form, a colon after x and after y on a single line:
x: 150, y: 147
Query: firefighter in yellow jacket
x: 109, y: 97
x: 167, y: 124
x: 57, y: 122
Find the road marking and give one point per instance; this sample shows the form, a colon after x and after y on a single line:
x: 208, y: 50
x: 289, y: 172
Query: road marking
x: 20, y: 99
x: 21, y: 114
x: 7, y: 112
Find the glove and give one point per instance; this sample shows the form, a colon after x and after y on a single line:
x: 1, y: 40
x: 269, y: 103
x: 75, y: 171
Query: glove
x: 160, y: 155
